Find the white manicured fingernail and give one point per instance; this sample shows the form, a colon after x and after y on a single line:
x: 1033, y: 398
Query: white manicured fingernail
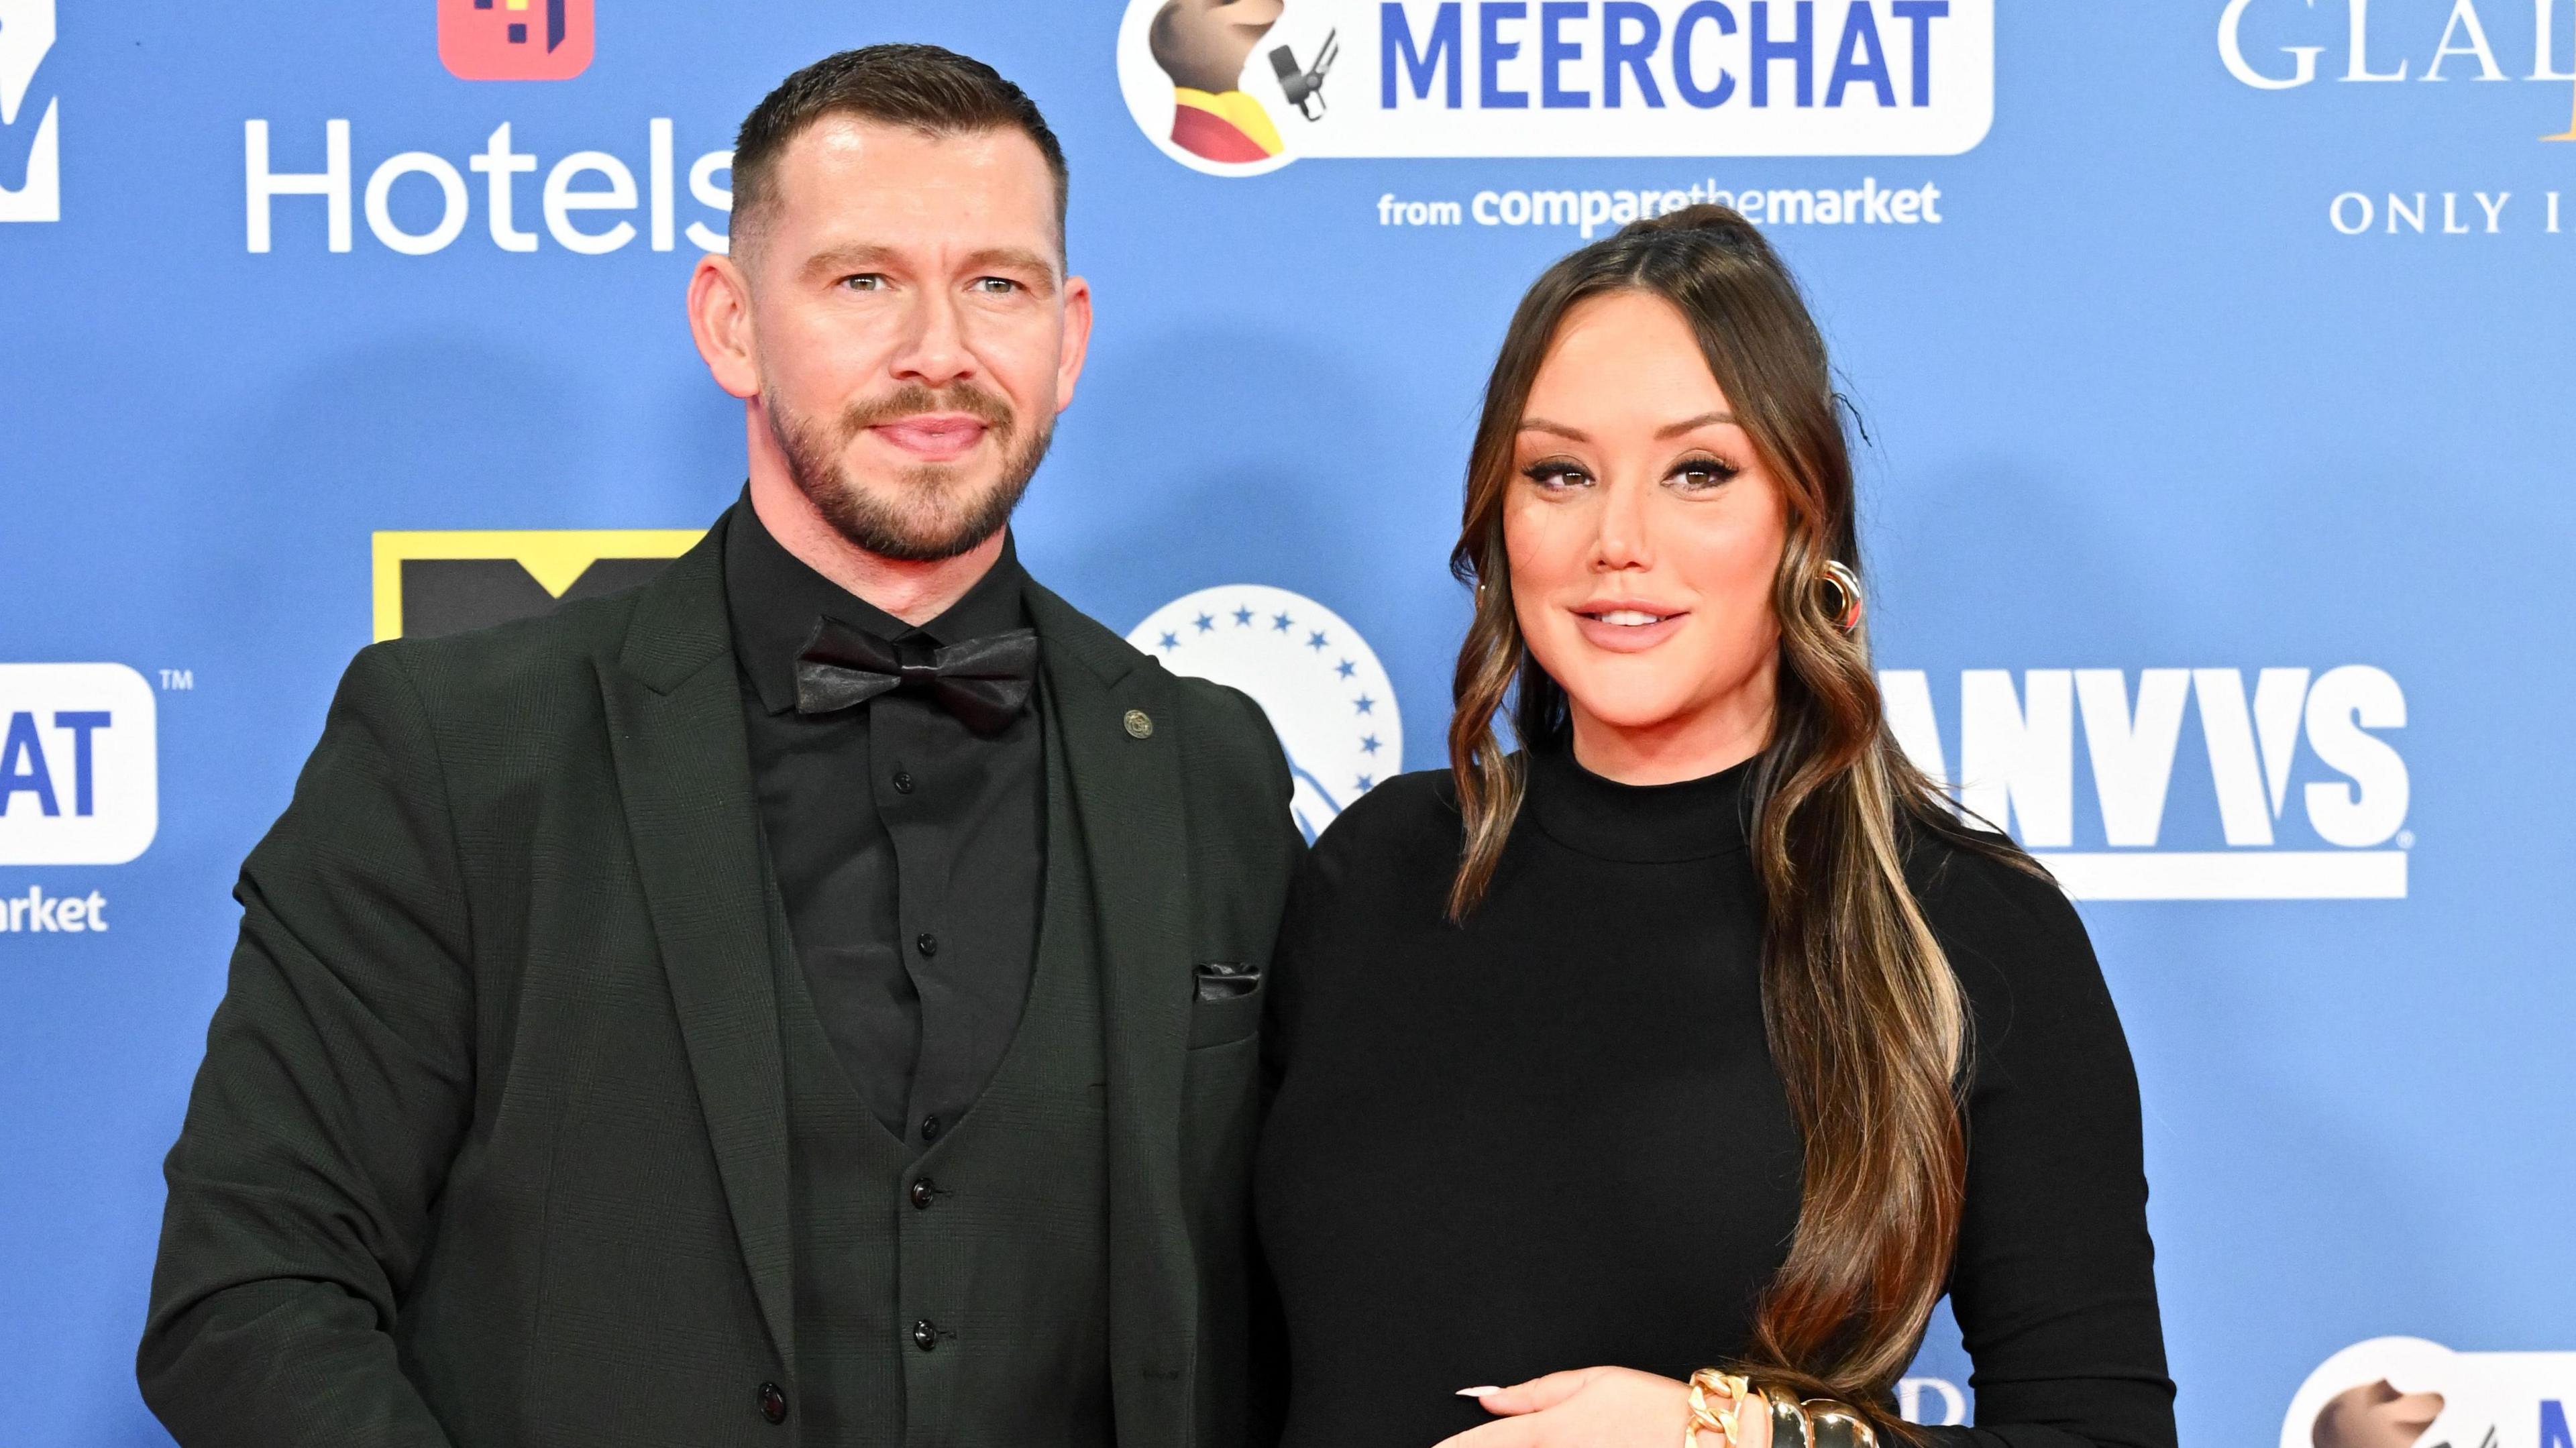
x: 1476, y: 1392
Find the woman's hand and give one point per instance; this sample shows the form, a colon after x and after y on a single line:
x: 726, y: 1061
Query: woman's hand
x: 1600, y: 1408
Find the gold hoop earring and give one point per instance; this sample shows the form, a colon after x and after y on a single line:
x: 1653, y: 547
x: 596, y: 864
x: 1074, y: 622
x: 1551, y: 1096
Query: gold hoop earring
x: 1846, y: 604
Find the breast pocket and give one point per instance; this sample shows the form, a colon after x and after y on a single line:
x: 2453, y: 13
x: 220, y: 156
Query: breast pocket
x: 1228, y: 1004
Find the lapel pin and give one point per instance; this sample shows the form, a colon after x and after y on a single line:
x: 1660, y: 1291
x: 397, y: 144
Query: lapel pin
x: 1140, y: 725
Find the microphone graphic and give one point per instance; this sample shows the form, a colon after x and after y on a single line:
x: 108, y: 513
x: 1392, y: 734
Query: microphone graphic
x: 1305, y: 88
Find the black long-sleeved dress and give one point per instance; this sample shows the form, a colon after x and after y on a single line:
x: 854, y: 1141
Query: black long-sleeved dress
x: 1516, y: 1146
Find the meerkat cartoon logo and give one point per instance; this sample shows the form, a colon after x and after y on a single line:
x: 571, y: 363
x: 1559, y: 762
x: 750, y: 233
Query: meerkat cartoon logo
x: 1182, y: 65
x: 1202, y: 45
x: 2400, y: 1392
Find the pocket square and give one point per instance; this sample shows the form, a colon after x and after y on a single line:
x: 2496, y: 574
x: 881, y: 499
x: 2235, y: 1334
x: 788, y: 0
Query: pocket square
x: 1223, y: 981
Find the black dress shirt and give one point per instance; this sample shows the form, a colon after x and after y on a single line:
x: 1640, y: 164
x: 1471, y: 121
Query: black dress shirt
x: 909, y: 850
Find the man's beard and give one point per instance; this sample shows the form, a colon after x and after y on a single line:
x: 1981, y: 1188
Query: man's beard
x: 924, y: 513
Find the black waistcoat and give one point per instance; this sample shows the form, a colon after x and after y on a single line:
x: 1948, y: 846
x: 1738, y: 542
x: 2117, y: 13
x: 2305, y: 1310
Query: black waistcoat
x: 957, y: 1292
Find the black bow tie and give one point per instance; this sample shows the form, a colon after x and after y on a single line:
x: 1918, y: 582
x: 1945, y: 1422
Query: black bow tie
x: 984, y: 682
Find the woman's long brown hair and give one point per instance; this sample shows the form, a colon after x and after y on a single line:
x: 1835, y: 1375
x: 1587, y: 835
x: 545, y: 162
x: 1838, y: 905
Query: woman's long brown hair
x: 1863, y: 1014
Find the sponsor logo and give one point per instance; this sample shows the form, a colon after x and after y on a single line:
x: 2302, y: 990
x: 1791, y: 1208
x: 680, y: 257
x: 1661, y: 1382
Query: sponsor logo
x: 26, y: 37
x: 37, y: 913
x: 79, y: 773
x: 515, y: 39
x: 2393, y: 1391
x: 1239, y: 87
x: 1916, y: 1399
x: 1593, y: 208
x: 2017, y: 768
x: 581, y: 191
x: 2276, y: 45
x: 1321, y: 684
x: 428, y: 584
x: 2409, y: 40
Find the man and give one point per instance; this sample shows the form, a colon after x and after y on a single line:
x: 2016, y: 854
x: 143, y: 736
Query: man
x: 809, y: 999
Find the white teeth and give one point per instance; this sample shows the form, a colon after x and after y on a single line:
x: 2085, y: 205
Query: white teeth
x: 1630, y: 618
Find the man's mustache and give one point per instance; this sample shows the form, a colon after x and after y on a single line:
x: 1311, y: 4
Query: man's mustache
x: 915, y: 400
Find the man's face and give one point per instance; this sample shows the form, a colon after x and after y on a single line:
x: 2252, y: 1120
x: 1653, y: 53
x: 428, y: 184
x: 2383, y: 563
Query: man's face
x: 912, y: 328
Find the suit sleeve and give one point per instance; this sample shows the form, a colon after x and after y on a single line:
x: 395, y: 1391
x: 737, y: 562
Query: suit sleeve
x: 1283, y: 785
x: 2054, y: 1283
x: 336, y: 1086
x: 1266, y: 1385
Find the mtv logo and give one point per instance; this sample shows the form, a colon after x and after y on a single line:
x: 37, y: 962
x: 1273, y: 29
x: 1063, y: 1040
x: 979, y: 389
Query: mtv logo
x: 26, y: 35
x: 429, y: 584
x: 515, y: 39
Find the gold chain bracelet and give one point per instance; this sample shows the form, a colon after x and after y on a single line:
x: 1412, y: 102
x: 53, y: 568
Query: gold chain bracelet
x: 1812, y: 1423
x: 1716, y: 1420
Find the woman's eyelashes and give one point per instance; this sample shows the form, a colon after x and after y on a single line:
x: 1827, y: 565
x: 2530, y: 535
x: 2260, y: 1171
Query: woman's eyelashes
x: 1698, y: 473
x: 1702, y: 473
x: 1556, y: 474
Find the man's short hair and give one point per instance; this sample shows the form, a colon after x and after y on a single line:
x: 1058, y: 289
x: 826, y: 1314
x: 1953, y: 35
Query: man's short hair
x: 933, y: 90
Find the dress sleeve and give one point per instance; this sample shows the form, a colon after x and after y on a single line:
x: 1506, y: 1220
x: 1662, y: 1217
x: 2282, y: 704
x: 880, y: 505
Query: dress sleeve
x: 2054, y: 1283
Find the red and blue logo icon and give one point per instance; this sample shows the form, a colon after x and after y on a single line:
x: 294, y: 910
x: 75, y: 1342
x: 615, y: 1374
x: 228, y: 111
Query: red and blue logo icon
x: 515, y: 39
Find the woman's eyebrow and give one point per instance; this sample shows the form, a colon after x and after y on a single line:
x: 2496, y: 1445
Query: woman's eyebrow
x: 1693, y: 424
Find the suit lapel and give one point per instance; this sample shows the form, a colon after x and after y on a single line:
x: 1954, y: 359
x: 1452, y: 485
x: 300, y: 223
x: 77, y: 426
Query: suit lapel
x: 1126, y: 794
x: 683, y: 769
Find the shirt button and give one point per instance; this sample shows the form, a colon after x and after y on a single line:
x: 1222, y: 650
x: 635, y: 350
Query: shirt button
x: 922, y: 1192
x: 924, y: 1336
x: 930, y: 1128
x: 773, y: 1403
x: 902, y: 782
x: 927, y: 944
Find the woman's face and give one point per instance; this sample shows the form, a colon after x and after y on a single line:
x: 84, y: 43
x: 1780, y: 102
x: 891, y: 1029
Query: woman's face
x: 1644, y: 535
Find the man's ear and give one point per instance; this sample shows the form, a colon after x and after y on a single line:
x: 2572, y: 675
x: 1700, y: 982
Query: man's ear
x: 1077, y: 340
x: 720, y: 321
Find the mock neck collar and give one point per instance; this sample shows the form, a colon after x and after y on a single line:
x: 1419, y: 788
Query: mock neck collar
x: 1694, y: 819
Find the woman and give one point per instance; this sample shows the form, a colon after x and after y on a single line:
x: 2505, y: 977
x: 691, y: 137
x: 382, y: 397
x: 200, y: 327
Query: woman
x: 1698, y: 1034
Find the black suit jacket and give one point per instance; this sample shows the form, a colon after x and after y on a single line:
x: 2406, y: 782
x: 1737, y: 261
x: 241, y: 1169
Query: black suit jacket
x: 489, y: 1146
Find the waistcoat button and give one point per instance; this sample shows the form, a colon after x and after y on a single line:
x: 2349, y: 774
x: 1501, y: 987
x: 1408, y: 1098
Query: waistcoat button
x: 924, y: 1336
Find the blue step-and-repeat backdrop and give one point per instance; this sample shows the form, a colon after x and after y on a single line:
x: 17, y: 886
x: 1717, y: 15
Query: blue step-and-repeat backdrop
x: 2214, y: 357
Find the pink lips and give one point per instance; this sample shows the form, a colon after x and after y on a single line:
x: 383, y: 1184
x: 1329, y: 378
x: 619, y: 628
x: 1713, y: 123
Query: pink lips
x: 1626, y: 638
x: 934, y: 436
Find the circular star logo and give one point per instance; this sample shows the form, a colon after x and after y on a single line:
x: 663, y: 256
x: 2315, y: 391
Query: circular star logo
x: 1310, y: 671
